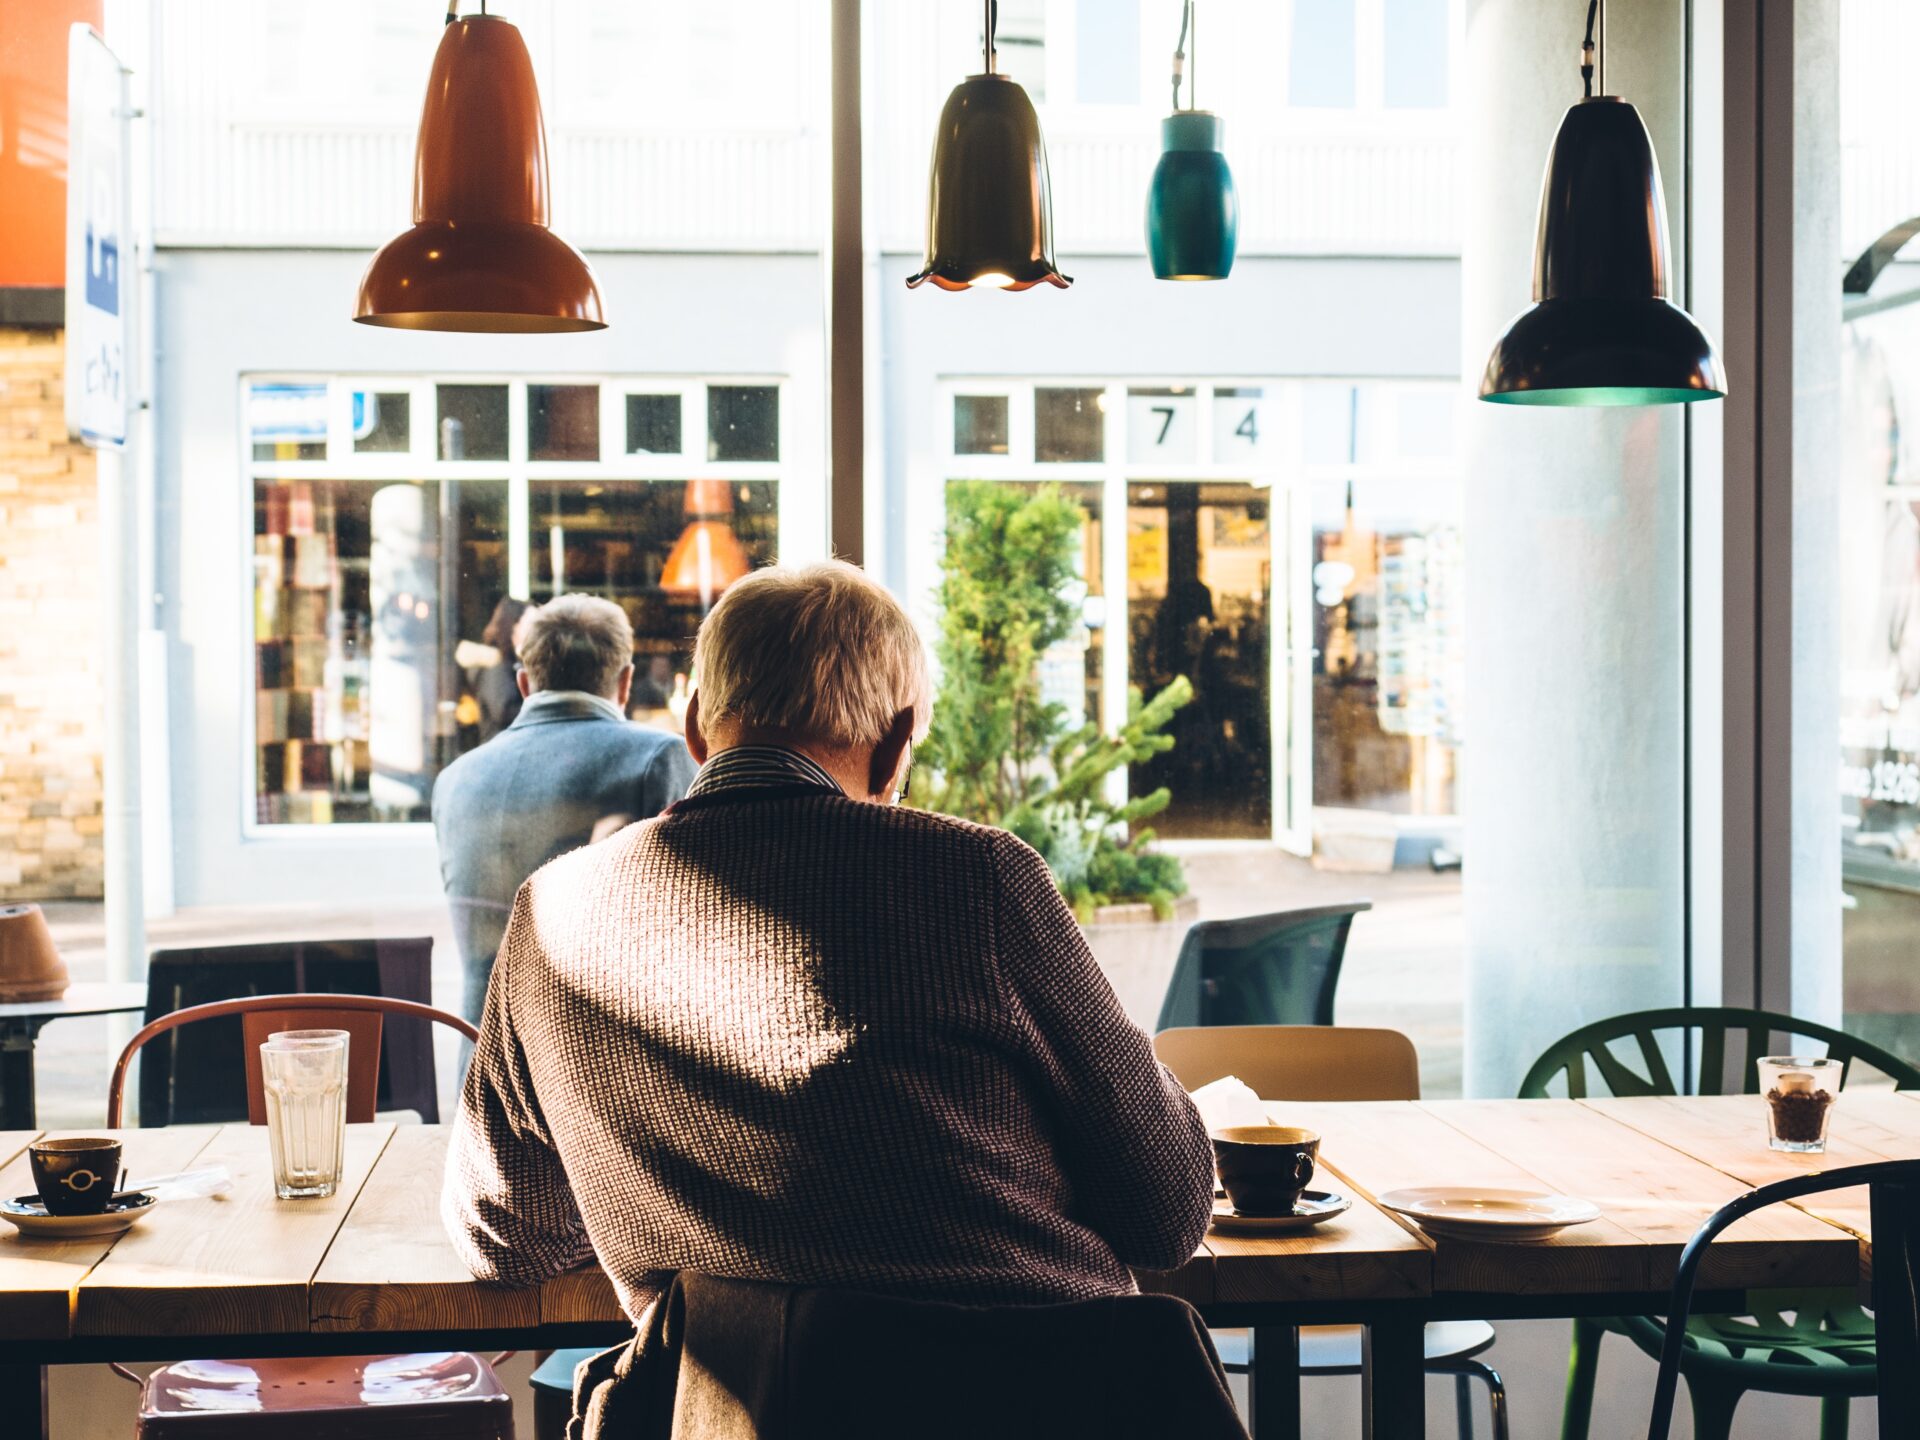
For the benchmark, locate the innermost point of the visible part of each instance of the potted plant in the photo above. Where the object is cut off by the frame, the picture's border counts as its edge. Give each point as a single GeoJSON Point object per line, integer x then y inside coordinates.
{"type": "Point", "coordinates": [1003, 754]}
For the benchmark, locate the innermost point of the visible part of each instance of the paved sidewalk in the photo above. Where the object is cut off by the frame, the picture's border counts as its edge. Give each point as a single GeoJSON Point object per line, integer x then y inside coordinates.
{"type": "Point", "coordinates": [1403, 968]}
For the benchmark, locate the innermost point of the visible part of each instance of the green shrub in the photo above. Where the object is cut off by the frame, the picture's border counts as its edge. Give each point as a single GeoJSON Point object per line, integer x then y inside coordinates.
{"type": "Point", "coordinates": [1000, 753]}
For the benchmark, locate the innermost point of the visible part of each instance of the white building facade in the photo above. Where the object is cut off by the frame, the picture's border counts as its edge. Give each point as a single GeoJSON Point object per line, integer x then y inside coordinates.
{"type": "Point", "coordinates": [341, 510]}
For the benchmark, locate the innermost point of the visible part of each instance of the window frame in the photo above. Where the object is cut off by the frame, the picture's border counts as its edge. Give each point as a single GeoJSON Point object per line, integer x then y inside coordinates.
{"type": "Point", "coordinates": [801, 489]}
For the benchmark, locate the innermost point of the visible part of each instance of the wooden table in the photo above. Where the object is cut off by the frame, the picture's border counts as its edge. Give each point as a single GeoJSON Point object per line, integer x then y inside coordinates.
{"type": "Point", "coordinates": [370, 1270]}
{"type": "Point", "coordinates": [21, 1022]}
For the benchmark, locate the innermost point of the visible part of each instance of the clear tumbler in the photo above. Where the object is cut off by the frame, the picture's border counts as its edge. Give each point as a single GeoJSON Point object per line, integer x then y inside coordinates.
{"type": "Point", "coordinates": [305, 1077]}
{"type": "Point", "coordinates": [1800, 1092]}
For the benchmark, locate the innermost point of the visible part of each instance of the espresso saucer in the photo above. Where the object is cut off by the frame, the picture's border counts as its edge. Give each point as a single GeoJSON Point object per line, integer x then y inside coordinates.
{"type": "Point", "coordinates": [29, 1216]}
{"type": "Point", "coordinates": [1316, 1207]}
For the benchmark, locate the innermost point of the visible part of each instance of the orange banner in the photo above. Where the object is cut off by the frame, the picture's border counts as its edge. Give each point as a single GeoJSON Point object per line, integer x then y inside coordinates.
{"type": "Point", "coordinates": [33, 136]}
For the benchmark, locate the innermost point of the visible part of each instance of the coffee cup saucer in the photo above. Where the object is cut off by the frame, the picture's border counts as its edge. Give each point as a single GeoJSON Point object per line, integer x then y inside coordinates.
{"type": "Point", "coordinates": [1315, 1207]}
{"type": "Point", "coordinates": [28, 1214]}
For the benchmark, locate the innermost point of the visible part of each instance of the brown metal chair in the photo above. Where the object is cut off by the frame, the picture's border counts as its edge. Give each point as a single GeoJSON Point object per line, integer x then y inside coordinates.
{"type": "Point", "coordinates": [361, 1016]}
{"type": "Point", "coordinates": [356, 1397]}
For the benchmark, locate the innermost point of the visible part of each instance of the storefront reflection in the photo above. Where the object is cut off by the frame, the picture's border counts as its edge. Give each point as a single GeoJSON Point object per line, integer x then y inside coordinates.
{"type": "Point", "coordinates": [1199, 593]}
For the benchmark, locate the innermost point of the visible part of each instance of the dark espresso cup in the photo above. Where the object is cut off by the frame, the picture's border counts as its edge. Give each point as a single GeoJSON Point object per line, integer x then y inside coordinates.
{"type": "Point", "coordinates": [75, 1177]}
{"type": "Point", "coordinates": [1265, 1167]}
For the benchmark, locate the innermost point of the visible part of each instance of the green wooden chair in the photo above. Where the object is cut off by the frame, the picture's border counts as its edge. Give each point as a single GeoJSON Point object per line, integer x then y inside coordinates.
{"type": "Point", "coordinates": [1817, 1344]}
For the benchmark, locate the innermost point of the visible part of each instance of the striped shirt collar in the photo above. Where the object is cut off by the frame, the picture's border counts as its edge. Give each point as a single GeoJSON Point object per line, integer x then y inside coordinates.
{"type": "Point", "coordinates": [760, 767]}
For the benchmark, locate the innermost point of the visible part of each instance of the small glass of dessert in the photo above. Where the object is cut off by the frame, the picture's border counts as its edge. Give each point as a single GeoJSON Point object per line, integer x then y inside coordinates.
{"type": "Point", "coordinates": [1800, 1092]}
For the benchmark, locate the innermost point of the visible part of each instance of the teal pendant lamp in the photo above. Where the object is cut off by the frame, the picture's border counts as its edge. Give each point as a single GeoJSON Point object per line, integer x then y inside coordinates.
{"type": "Point", "coordinates": [989, 204]}
{"type": "Point", "coordinates": [1193, 212]}
{"type": "Point", "coordinates": [1602, 330]}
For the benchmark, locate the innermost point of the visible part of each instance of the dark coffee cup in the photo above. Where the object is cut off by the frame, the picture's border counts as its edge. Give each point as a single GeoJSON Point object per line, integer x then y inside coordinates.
{"type": "Point", "coordinates": [1265, 1167]}
{"type": "Point", "coordinates": [75, 1177]}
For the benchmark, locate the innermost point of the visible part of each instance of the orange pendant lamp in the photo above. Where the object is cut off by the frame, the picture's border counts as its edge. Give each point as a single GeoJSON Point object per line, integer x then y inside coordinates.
{"type": "Point", "coordinates": [480, 255]}
{"type": "Point", "coordinates": [708, 556]}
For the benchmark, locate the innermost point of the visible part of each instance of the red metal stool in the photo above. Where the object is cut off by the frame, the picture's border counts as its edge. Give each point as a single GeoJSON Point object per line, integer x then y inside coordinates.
{"type": "Point", "coordinates": [367, 1397]}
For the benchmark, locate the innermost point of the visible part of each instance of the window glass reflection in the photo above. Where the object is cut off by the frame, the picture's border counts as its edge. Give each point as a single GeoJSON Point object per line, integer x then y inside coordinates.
{"type": "Point", "coordinates": [743, 422]}
{"type": "Point", "coordinates": [663, 550]}
{"type": "Point", "coordinates": [382, 422]}
{"type": "Point", "coordinates": [653, 425]}
{"type": "Point", "coordinates": [359, 610]}
{"type": "Point", "coordinates": [1389, 646]}
{"type": "Point", "coordinates": [979, 424]}
{"type": "Point", "coordinates": [1199, 595]}
{"type": "Point", "coordinates": [1069, 425]}
{"type": "Point", "coordinates": [473, 422]}
{"type": "Point", "coordinates": [563, 422]}
{"type": "Point", "coordinates": [287, 420]}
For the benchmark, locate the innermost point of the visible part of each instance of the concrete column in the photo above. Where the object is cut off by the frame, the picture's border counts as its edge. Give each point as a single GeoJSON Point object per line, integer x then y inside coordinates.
{"type": "Point", "coordinates": [1574, 773]}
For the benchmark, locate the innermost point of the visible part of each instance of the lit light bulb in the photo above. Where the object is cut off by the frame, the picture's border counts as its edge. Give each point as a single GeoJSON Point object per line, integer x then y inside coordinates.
{"type": "Point", "coordinates": [992, 280]}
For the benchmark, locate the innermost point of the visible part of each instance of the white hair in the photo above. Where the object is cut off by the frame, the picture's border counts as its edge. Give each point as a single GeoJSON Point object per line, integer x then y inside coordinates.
{"type": "Point", "coordinates": [820, 651]}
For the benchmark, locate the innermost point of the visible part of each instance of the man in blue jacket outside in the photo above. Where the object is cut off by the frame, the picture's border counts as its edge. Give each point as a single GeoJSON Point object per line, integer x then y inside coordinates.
{"type": "Point", "coordinates": [569, 770]}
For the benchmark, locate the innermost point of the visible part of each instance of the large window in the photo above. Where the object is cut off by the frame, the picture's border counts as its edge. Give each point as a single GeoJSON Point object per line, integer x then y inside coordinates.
{"type": "Point", "coordinates": [401, 526]}
{"type": "Point", "coordinates": [1878, 573]}
{"type": "Point", "coordinates": [1290, 548]}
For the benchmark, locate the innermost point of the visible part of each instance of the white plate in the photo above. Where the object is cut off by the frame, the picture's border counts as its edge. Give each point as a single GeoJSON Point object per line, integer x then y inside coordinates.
{"type": "Point", "coordinates": [1315, 1208]}
{"type": "Point", "coordinates": [1454, 1212]}
{"type": "Point", "coordinates": [30, 1217]}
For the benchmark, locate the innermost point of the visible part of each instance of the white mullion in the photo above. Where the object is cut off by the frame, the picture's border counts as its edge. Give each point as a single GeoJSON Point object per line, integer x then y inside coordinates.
{"type": "Point", "coordinates": [340, 420]}
{"type": "Point", "coordinates": [1020, 426]}
{"type": "Point", "coordinates": [519, 498]}
{"type": "Point", "coordinates": [694, 409]}
{"type": "Point", "coordinates": [1116, 661]}
{"type": "Point", "coordinates": [613, 422]}
{"type": "Point", "coordinates": [423, 422]}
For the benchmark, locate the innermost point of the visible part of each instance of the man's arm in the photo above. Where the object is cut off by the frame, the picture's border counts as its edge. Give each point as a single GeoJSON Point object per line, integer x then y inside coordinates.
{"type": "Point", "coordinates": [506, 1201]}
{"type": "Point", "coordinates": [1132, 1143]}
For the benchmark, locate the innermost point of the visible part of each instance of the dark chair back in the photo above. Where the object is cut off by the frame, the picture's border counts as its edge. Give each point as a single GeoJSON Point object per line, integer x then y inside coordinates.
{"type": "Point", "coordinates": [197, 1075]}
{"type": "Point", "coordinates": [1894, 1186]}
{"type": "Point", "coordinates": [1592, 1054]}
{"type": "Point", "coordinates": [1278, 969]}
{"type": "Point", "coordinates": [785, 1360]}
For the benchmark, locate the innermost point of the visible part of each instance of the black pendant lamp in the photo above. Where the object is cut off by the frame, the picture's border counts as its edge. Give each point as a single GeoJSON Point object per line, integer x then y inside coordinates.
{"type": "Point", "coordinates": [1601, 330]}
{"type": "Point", "coordinates": [989, 207]}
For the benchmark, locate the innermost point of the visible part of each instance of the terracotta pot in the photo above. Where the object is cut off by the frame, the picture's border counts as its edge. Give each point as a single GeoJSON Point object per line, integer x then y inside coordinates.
{"type": "Point", "coordinates": [30, 966]}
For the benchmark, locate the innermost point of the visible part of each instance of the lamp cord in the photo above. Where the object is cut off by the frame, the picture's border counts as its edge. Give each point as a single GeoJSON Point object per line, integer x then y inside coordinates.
{"type": "Point", "coordinates": [1586, 50]}
{"type": "Point", "coordinates": [1180, 54]}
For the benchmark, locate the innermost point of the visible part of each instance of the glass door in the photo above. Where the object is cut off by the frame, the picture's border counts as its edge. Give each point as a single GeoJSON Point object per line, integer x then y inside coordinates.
{"type": "Point", "coordinates": [1201, 604]}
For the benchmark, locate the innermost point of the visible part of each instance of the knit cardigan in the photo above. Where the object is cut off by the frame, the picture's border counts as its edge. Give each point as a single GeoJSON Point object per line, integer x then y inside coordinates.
{"type": "Point", "coordinates": [779, 1035]}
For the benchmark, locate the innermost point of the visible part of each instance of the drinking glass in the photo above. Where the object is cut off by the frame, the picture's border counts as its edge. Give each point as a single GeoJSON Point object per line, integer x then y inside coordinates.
{"type": "Point", "coordinates": [1799, 1092]}
{"type": "Point", "coordinates": [305, 1076]}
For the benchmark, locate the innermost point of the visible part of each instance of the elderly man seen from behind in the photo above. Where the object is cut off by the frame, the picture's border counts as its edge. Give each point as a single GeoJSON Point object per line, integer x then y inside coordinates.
{"type": "Point", "coordinates": [568, 770]}
{"type": "Point", "coordinates": [791, 1031]}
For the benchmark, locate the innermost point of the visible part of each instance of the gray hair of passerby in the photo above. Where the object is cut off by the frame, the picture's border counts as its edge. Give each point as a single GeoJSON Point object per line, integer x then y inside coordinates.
{"type": "Point", "coordinates": [819, 651]}
{"type": "Point", "coordinates": [574, 642]}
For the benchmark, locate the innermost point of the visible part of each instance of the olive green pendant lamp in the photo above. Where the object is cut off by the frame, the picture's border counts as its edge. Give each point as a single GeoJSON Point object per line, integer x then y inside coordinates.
{"type": "Point", "coordinates": [1193, 212]}
{"type": "Point", "coordinates": [989, 207]}
{"type": "Point", "coordinates": [1601, 330]}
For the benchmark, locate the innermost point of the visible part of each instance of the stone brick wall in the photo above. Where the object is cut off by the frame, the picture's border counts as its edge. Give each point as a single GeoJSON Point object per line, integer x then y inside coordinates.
{"type": "Point", "coordinates": [51, 723]}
